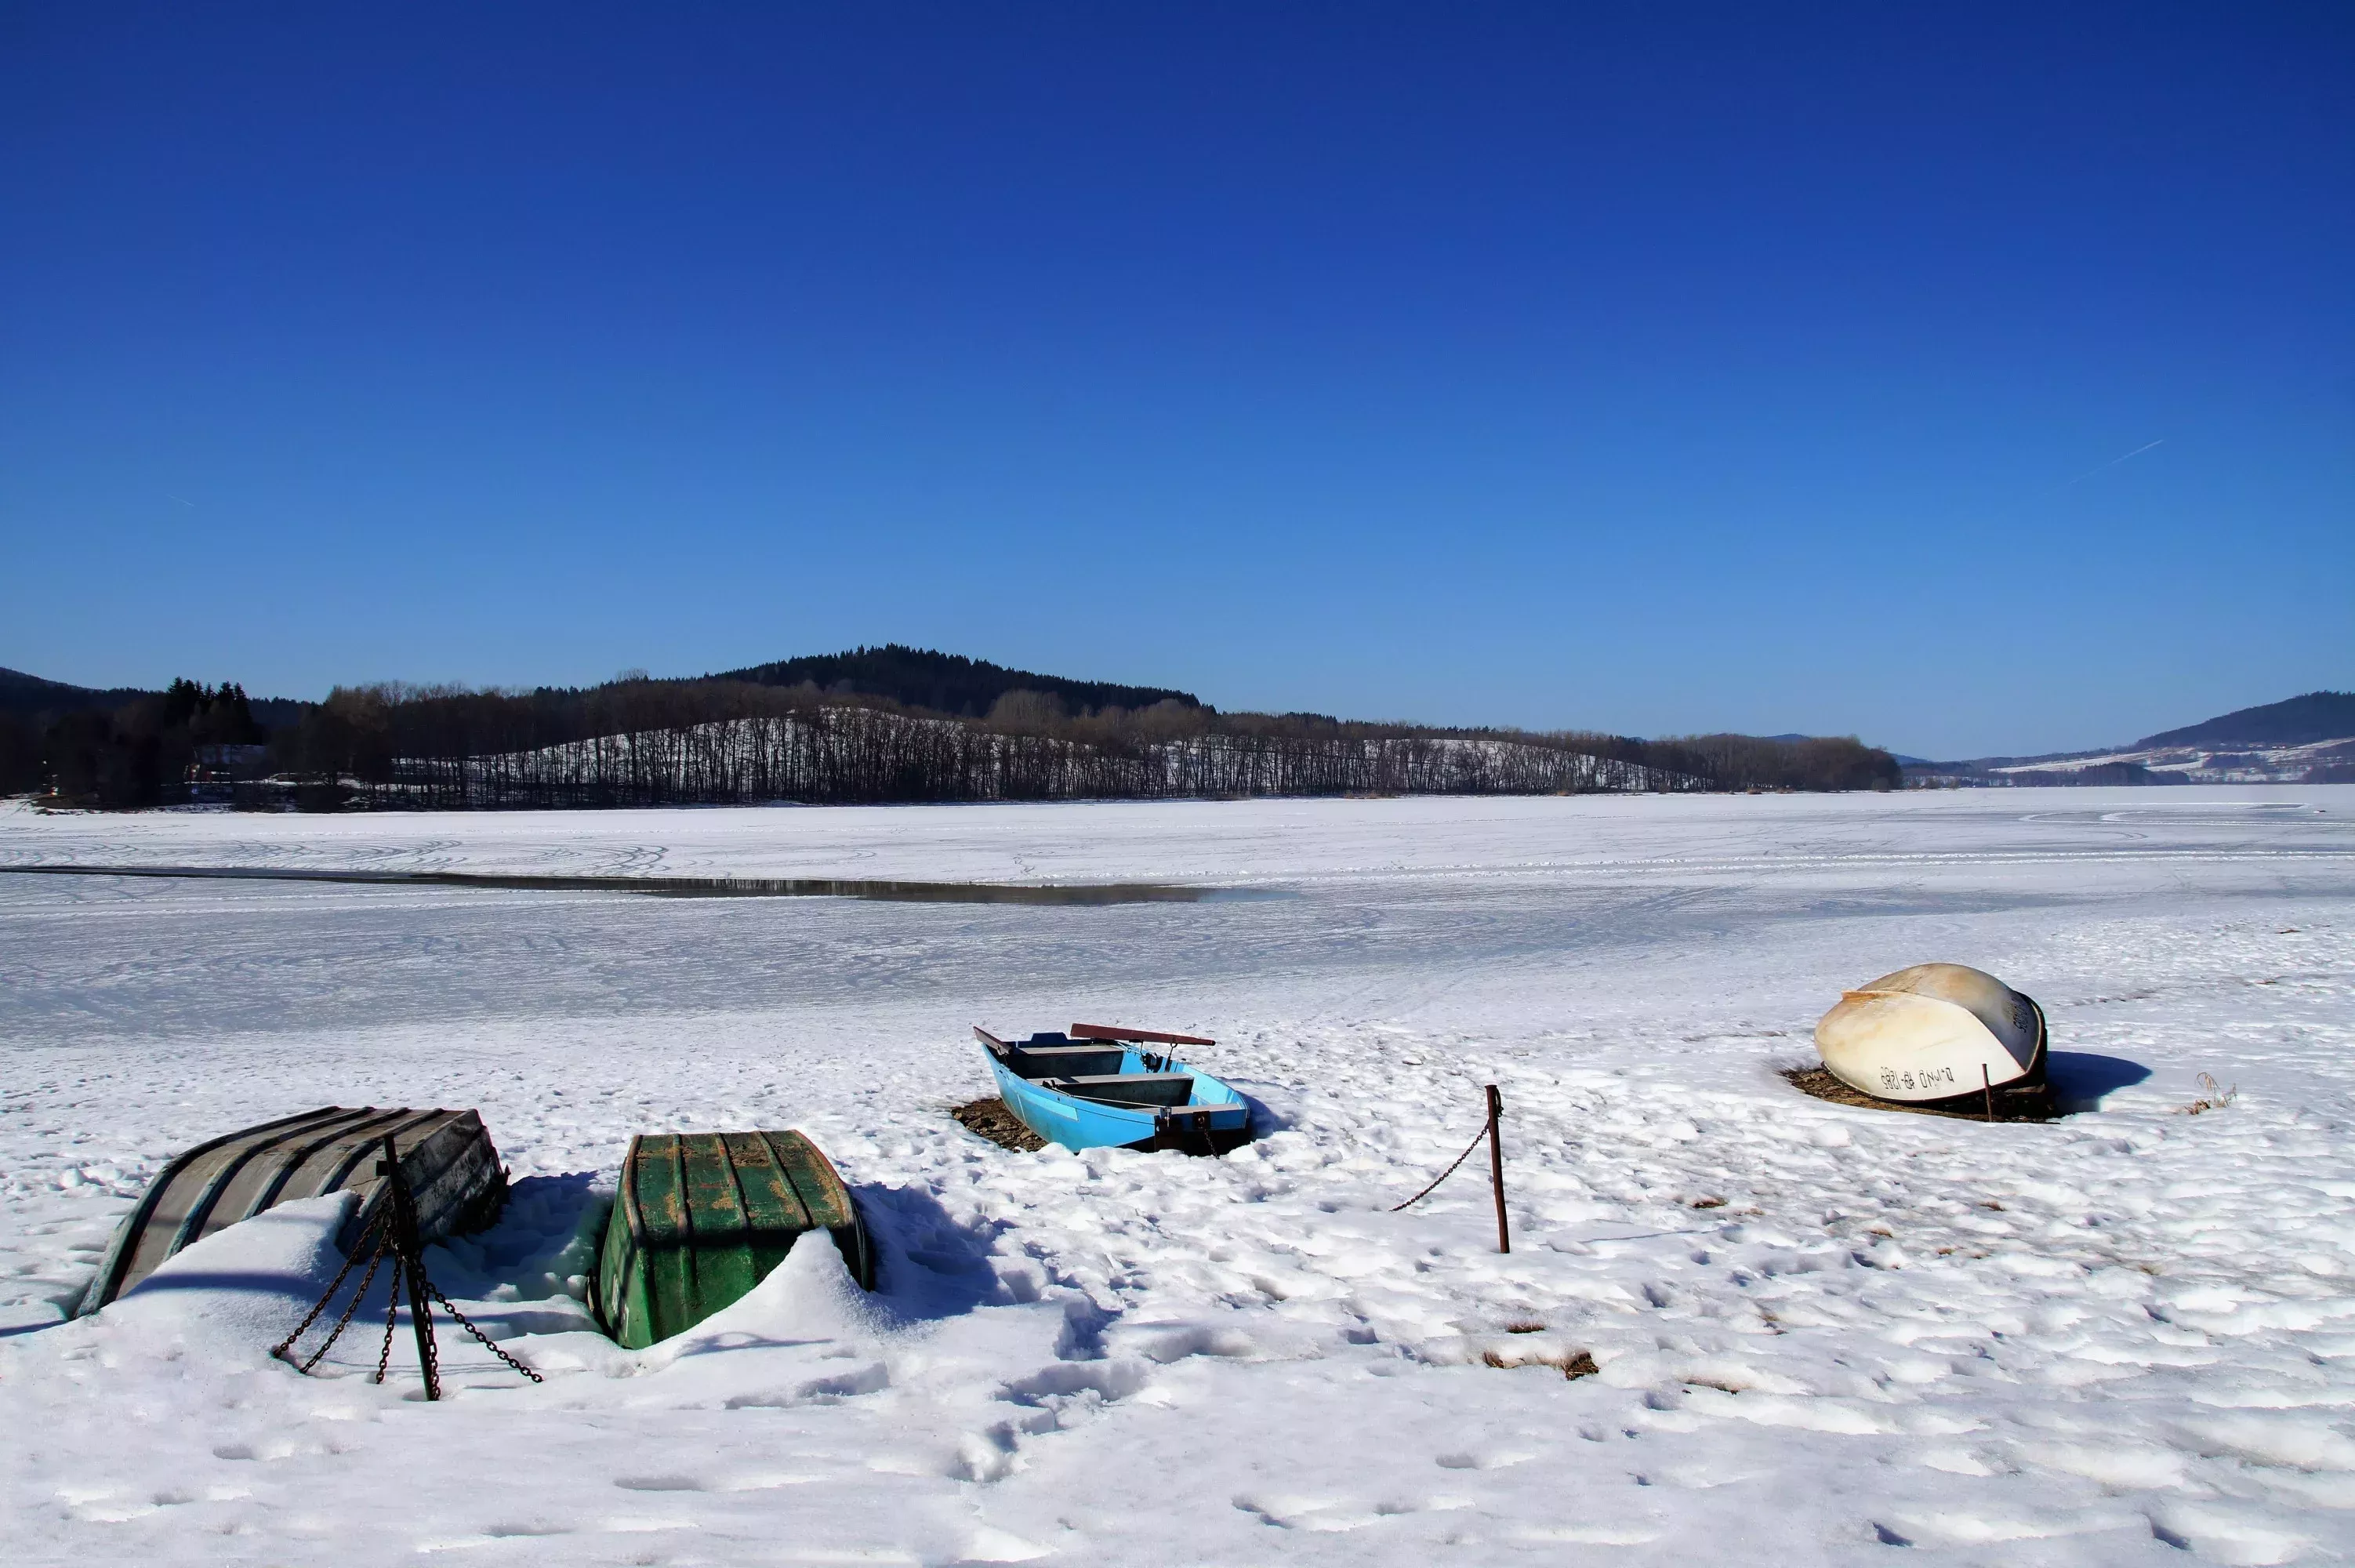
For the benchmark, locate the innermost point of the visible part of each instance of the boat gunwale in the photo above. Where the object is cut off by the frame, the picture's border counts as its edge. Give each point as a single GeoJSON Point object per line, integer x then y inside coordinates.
{"type": "Point", "coordinates": [1136, 1036]}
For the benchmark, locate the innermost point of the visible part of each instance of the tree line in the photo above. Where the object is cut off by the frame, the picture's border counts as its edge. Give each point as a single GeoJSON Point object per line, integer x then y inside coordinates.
{"type": "Point", "coordinates": [646, 743]}
{"type": "Point", "coordinates": [642, 741]}
{"type": "Point", "coordinates": [136, 752]}
{"type": "Point", "coordinates": [841, 754]}
{"type": "Point", "coordinates": [1756, 761]}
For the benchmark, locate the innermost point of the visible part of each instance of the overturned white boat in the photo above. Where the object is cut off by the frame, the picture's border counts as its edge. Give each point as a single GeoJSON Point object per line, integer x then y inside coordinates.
{"type": "Point", "coordinates": [1934, 1031]}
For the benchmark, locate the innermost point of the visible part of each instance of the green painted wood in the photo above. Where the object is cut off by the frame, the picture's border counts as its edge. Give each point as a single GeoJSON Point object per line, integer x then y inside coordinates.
{"type": "Point", "coordinates": [620, 1300]}
{"type": "Point", "coordinates": [720, 1253]}
{"type": "Point", "coordinates": [701, 1218]}
{"type": "Point", "coordinates": [829, 1201]}
{"type": "Point", "coordinates": [665, 1243]}
{"type": "Point", "coordinates": [775, 1215]}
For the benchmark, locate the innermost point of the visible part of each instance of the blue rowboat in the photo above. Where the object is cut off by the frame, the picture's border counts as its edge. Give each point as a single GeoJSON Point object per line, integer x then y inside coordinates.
{"type": "Point", "coordinates": [1098, 1086]}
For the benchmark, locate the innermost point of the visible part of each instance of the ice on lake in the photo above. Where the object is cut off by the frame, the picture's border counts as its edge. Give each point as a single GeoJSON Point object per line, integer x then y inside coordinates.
{"type": "Point", "coordinates": [1820, 1332]}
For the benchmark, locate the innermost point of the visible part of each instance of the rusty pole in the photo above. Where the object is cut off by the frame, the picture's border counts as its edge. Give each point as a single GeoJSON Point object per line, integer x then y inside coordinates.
{"type": "Point", "coordinates": [410, 1248]}
{"type": "Point", "coordinates": [1986, 1087]}
{"type": "Point", "coordinates": [1496, 1168]}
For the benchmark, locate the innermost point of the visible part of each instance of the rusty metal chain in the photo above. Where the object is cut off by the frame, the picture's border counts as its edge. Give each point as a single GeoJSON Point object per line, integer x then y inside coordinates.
{"type": "Point", "coordinates": [281, 1348]}
{"type": "Point", "coordinates": [1477, 1140]}
{"type": "Point", "coordinates": [351, 1306]}
{"type": "Point", "coordinates": [489, 1344]}
{"type": "Point", "coordinates": [393, 1226]}
{"type": "Point", "coordinates": [392, 1316]}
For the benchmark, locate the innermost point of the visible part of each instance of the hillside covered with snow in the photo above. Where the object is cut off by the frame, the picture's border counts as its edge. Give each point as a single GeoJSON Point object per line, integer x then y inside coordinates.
{"type": "Point", "coordinates": [2305, 740]}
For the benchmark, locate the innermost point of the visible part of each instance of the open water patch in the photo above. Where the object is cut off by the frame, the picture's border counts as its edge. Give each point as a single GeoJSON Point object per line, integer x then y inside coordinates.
{"type": "Point", "coordinates": [1084, 893]}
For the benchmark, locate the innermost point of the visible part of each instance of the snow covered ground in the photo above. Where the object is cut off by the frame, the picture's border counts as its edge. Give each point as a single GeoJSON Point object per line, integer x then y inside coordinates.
{"type": "Point", "coordinates": [1822, 1333]}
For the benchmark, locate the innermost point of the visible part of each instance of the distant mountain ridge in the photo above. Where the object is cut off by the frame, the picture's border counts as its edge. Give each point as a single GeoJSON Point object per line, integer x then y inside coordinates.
{"type": "Point", "coordinates": [946, 683]}
{"type": "Point", "coordinates": [2298, 722]}
{"type": "Point", "coordinates": [2301, 740]}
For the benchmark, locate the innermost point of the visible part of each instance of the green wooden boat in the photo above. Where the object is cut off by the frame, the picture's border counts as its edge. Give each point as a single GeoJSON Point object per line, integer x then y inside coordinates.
{"type": "Point", "coordinates": [701, 1218]}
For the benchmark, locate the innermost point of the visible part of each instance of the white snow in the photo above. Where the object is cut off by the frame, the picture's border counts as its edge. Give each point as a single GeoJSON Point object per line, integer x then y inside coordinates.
{"type": "Point", "coordinates": [1821, 1332]}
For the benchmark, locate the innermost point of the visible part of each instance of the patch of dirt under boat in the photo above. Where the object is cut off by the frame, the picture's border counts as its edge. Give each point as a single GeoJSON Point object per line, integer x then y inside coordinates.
{"type": "Point", "coordinates": [990, 1119]}
{"type": "Point", "coordinates": [2024, 1103]}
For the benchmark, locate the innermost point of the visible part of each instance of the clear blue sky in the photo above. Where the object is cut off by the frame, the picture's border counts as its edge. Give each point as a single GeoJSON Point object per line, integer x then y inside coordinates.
{"type": "Point", "coordinates": [1655, 369]}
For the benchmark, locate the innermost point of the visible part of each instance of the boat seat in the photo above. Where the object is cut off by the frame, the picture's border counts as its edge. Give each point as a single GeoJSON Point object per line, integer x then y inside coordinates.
{"type": "Point", "coordinates": [1129, 1088]}
{"type": "Point", "coordinates": [1064, 1061]}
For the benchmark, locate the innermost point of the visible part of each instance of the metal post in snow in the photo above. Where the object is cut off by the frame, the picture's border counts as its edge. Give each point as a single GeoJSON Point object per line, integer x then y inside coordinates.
{"type": "Point", "coordinates": [1496, 1168]}
{"type": "Point", "coordinates": [410, 1249]}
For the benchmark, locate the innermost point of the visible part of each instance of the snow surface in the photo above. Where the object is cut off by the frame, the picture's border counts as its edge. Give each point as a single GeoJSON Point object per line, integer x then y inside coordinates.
{"type": "Point", "coordinates": [1823, 1333]}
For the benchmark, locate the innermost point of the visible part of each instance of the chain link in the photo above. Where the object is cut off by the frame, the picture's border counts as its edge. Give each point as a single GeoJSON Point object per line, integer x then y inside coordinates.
{"type": "Point", "coordinates": [489, 1344]}
{"type": "Point", "coordinates": [395, 1240]}
{"type": "Point", "coordinates": [392, 1316]}
{"type": "Point", "coordinates": [351, 1306]}
{"type": "Point", "coordinates": [283, 1346]}
{"type": "Point", "coordinates": [1477, 1140]}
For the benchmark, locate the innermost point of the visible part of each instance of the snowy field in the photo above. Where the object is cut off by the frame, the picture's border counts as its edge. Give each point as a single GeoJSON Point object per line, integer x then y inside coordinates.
{"type": "Point", "coordinates": [1823, 1333]}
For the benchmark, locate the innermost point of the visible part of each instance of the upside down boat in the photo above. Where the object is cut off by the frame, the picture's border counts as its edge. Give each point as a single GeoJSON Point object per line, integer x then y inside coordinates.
{"type": "Point", "coordinates": [1099, 1086]}
{"type": "Point", "coordinates": [446, 1157]}
{"type": "Point", "coordinates": [701, 1218]}
{"type": "Point", "coordinates": [1931, 1033]}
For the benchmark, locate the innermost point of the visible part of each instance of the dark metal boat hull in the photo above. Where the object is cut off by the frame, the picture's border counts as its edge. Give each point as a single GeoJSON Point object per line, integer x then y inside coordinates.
{"type": "Point", "coordinates": [446, 1156]}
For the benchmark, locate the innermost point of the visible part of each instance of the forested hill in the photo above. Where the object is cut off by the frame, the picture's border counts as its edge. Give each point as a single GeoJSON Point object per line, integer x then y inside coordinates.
{"type": "Point", "coordinates": [882, 724]}
{"type": "Point", "coordinates": [945, 683]}
{"type": "Point", "coordinates": [30, 697]}
{"type": "Point", "coordinates": [2299, 721]}
{"type": "Point", "coordinates": [29, 694]}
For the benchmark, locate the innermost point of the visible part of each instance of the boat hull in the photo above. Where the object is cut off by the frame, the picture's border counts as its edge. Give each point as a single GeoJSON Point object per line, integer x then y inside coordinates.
{"type": "Point", "coordinates": [701, 1218]}
{"type": "Point", "coordinates": [1933, 1032]}
{"type": "Point", "coordinates": [452, 1171]}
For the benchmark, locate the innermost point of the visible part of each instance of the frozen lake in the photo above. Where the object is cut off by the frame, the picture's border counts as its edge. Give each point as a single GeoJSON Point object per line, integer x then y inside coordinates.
{"type": "Point", "coordinates": [2126, 1336]}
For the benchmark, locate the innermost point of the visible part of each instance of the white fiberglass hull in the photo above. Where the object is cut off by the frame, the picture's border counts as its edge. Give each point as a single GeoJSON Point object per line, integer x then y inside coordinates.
{"type": "Point", "coordinates": [1931, 1033]}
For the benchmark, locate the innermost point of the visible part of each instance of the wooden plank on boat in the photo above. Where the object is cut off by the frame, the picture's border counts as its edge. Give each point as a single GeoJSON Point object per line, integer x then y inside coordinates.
{"type": "Point", "coordinates": [451, 1169]}
{"type": "Point", "coordinates": [701, 1218]}
{"type": "Point", "coordinates": [1146, 1036]}
{"type": "Point", "coordinates": [1071, 1060]}
{"type": "Point", "coordinates": [1128, 1088]}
